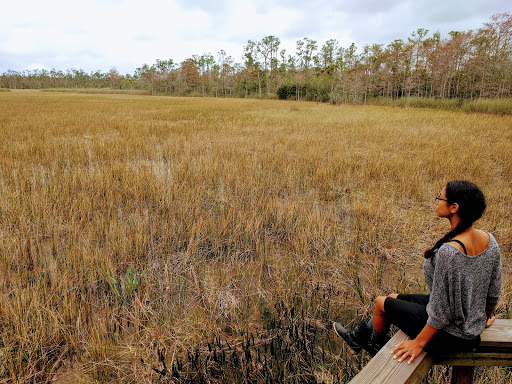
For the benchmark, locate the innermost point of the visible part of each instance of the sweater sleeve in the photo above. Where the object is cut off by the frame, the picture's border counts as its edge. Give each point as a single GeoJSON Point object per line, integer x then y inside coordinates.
{"type": "Point", "coordinates": [438, 308]}
{"type": "Point", "coordinates": [494, 293]}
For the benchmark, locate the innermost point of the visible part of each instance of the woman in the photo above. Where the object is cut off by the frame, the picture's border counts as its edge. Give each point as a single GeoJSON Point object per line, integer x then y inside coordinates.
{"type": "Point", "coordinates": [463, 274]}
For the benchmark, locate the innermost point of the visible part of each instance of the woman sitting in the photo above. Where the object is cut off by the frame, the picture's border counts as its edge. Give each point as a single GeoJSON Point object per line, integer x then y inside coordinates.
{"type": "Point", "coordinates": [463, 274]}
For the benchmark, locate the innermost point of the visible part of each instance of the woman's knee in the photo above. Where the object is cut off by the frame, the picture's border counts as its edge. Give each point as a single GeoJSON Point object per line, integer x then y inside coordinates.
{"type": "Point", "coordinates": [379, 303]}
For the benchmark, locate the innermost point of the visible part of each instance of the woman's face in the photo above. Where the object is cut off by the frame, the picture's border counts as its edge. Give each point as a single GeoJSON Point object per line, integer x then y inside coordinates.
{"type": "Point", "coordinates": [443, 208]}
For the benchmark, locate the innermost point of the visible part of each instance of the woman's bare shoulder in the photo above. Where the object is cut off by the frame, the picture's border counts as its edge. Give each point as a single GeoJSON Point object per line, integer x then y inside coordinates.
{"type": "Point", "coordinates": [475, 241]}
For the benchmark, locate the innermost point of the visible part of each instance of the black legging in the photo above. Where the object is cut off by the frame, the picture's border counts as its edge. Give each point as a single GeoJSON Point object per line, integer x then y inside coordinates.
{"type": "Point", "coordinates": [409, 313]}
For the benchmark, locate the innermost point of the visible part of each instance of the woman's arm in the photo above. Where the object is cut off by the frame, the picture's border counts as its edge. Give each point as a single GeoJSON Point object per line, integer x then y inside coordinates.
{"type": "Point", "coordinates": [494, 292]}
{"type": "Point", "coordinates": [414, 347]}
{"type": "Point", "coordinates": [490, 317]}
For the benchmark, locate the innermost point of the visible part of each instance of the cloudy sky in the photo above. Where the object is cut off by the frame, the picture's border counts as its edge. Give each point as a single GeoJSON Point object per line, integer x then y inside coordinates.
{"type": "Point", "coordinates": [125, 34]}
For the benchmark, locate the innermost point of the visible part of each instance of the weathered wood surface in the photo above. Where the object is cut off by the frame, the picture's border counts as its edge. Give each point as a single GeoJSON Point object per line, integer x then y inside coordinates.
{"type": "Point", "coordinates": [485, 359]}
{"type": "Point", "coordinates": [494, 350]}
{"type": "Point", "coordinates": [462, 375]}
{"type": "Point", "coordinates": [384, 369]}
{"type": "Point", "coordinates": [498, 335]}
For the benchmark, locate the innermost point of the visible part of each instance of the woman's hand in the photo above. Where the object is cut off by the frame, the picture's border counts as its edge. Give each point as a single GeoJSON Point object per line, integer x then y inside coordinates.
{"type": "Point", "coordinates": [412, 348]}
{"type": "Point", "coordinates": [490, 321]}
{"type": "Point", "coordinates": [407, 348]}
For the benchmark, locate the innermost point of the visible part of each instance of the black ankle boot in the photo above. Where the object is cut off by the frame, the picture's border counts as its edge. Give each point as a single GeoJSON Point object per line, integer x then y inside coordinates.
{"type": "Point", "coordinates": [376, 342]}
{"type": "Point", "coordinates": [356, 339]}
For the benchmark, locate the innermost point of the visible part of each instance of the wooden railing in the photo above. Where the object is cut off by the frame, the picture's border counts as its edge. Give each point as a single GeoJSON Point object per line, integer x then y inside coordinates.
{"type": "Point", "coordinates": [494, 350]}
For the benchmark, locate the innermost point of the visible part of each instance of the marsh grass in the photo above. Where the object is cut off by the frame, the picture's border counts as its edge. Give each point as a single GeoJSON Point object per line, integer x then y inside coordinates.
{"type": "Point", "coordinates": [496, 106]}
{"type": "Point", "coordinates": [492, 106]}
{"type": "Point", "coordinates": [100, 91]}
{"type": "Point", "coordinates": [252, 223]}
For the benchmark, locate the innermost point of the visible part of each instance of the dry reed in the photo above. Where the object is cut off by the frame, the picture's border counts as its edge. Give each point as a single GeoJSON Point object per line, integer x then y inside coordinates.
{"type": "Point", "coordinates": [135, 230]}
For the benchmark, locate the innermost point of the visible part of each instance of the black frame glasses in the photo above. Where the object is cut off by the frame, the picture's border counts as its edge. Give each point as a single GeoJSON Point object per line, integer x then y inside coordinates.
{"type": "Point", "coordinates": [439, 198]}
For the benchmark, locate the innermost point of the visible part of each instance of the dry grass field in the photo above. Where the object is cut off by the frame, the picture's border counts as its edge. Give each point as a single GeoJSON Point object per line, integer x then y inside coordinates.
{"type": "Point", "coordinates": [155, 239]}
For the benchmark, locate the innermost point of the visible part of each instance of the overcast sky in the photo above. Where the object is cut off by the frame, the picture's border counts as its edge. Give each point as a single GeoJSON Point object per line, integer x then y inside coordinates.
{"type": "Point", "coordinates": [125, 34]}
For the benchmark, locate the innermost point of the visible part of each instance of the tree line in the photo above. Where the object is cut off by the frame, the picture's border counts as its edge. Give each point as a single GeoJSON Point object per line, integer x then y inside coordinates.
{"type": "Point", "coordinates": [466, 65]}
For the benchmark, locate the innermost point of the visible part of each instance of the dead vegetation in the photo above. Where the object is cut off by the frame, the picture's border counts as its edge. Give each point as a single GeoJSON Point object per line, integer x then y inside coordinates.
{"type": "Point", "coordinates": [204, 240]}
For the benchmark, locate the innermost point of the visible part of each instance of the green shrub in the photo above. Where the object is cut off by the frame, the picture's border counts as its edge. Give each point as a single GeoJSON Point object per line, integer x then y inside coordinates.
{"type": "Point", "coordinates": [495, 106]}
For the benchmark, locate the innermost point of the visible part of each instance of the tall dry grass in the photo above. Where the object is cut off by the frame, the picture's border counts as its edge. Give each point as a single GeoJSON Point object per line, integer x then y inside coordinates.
{"type": "Point", "coordinates": [101, 91]}
{"type": "Point", "coordinates": [168, 239]}
{"type": "Point", "coordinates": [493, 106]}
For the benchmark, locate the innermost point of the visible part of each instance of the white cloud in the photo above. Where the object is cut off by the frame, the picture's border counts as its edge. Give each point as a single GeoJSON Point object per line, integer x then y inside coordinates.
{"type": "Point", "coordinates": [101, 34]}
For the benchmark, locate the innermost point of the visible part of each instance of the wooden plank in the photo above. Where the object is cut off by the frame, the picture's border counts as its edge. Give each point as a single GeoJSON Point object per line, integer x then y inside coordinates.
{"type": "Point", "coordinates": [384, 369]}
{"type": "Point", "coordinates": [462, 375]}
{"type": "Point", "coordinates": [494, 350]}
{"type": "Point", "coordinates": [498, 335]}
{"type": "Point", "coordinates": [485, 359]}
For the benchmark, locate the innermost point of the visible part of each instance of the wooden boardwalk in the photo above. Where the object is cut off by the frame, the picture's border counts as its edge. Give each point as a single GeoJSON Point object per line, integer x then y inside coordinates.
{"type": "Point", "coordinates": [494, 350]}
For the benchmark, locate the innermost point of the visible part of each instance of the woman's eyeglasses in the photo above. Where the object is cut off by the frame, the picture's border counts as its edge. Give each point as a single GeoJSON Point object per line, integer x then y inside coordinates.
{"type": "Point", "coordinates": [438, 197]}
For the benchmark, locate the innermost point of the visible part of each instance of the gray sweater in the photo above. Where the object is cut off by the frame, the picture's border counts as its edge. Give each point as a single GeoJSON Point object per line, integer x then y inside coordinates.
{"type": "Point", "coordinates": [462, 288]}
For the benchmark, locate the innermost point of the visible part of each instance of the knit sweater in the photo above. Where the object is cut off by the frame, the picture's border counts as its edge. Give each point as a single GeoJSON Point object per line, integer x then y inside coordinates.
{"type": "Point", "coordinates": [461, 288]}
